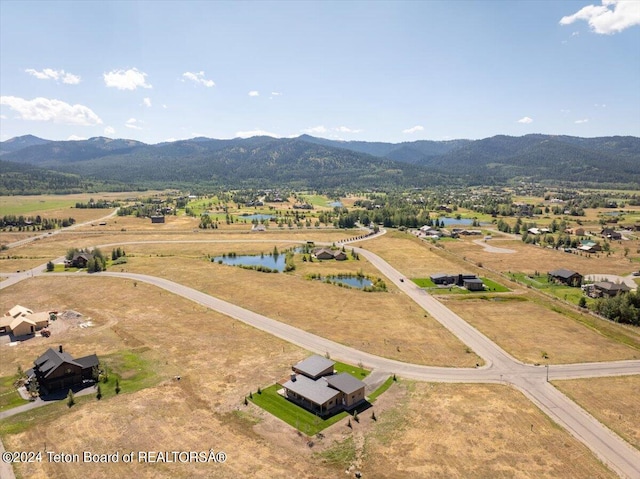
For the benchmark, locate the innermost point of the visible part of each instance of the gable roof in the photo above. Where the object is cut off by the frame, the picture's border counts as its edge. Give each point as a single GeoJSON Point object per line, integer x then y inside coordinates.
{"type": "Point", "coordinates": [612, 287]}
{"type": "Point", "coordinates": [563, 273]}
{"type": "Point", "coordinates": [19, 320]}
{"type": "Point", "coordinates": [345, 383]}
{"type": "Point", "coordinates": [52, 360]}
{"type": "Point", "coordinates": [318, 392]}
{"type": "Point", "coordinates": [313, 365]}
{"type": "Point", "coordinates": [18, 310]}
{"type": "Point", "coordinates": [88, 361]}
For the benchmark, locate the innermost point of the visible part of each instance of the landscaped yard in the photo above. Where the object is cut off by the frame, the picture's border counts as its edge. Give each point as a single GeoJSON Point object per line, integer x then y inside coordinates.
{"type": "Point", "coordinates": [541, 282]}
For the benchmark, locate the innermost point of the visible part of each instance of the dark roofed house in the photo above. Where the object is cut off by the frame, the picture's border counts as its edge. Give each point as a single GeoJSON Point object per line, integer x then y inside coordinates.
{"type": "Point", "coordinates": [56, 369]}
{"type": "Point", "coordinates": [607, 288]}
{"type": "Point", "coordinates": [314, 366]}
{"type": "Point", "coordinates": [157, 219]}
{"type": "Point", "coordinates": [442, 278]}
{"type": "Point", "coordinates": [473, 284]}
{"type": "Point", "coordinates": [323, 253]}
{"type": "Point", "coordinates": [352, 389]}
{"type": "Point", "coordinates": [565, 276]}
{"type": "Point", "coordinates": [610, 233]}
{"type": "Point", "coordinates": [340, 255]}
{"type": "Point", "coordinates": [80, 260]}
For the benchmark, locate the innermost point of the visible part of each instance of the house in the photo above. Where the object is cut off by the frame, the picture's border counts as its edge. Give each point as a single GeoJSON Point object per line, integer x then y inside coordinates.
{"type": "Point", "coordinates": [589, 246]}
{"type": "Point", "coordinates": [79, 260]}
{"type": "Point", "coordinates": [157, 219]}
{"type": "Point", "coordinates": [575, 231]}
{"type": "Point", "coordinates": [340, 256]}
{"type": "Point", "coordinates": [323, 253]}
{"type": "Point", "coordinates": [429, 230]}
{"type": "Point", "coordinates": [473, 284]}
{"type": "Point", "coordinates": [18, 310]}
{"type": "Point", "coordinates": [258, 228]}
{"type": "Point", "coordinates": [314, 367]}
{"type": "Point", "coordinates": [56, 369]}
{"type": "Point", "coordinates": [21, 321]}
{"type": "Point", "coordinates": [315, 387]}
{"type": "Point", "coordinates": [442, 278]}
{"type": "Point", "coordinates": [607, 288]}
{"type": "Point", "coordinates": [610, 233]}
{"type": "Point", "coordinates": [565, 276]}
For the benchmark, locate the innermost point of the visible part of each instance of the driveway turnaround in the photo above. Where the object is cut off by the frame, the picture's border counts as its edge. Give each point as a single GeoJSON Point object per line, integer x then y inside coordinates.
{"type": "Point", "coordinates": [499, 367]}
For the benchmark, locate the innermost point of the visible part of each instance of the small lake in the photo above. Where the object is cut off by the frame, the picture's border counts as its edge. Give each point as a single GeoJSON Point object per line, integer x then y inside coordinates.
{"type": "Point", "coordinates": [336, 204]}
{"type": "Point", "coordinates": [354, 282]}
{"type": "Point", "coordinates": [259, 217]}
{"type": "Point", "coordinates": [269, 261]}
{"type": "Point", "coordinates": [454, 221]}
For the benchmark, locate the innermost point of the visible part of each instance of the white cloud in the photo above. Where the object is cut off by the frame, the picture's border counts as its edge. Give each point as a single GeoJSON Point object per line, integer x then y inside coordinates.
{"type": "Point", "coordinates": [579, 122]}
{"type": "Point", "coordinates": [45, 109]}
{"type": "Point", "coordinates": [604, 20]}
{"type": "Point", "coordinates": [147, 102]}
{"type": "Point", "coordinates": [133, 124]}
{"type": "Point", "coordinates": [164, 107]}
{"type": "Point", "coordinates": [413, 129]}
{"type": "Point", "coordinates": [315, 129]}
{"type": "Point", "coordinates": [3, 117]}
{"type": "Point", "coordinates": [276, 93]}
{"type": "Point", "coordinates": [345, 129]}
{"type": "Point", "coordinates": [257, 132]}
{"type": "Point", "coordinates": [526, 120]}
{"type": "Point", "coordinates": [109, 130]}
{"type": "Point", "coordinates": [76, 138]}
{"type": "Point", "coordinates": [565, 111]}
{"type": "Point", "coordinates": [254, 93]}
{"type": "Point", "coordinates": [126, 79]}
{"type": "Point", "coordinates": [58, 75]}
{"type": "Point", "coordinates": [198, 77]}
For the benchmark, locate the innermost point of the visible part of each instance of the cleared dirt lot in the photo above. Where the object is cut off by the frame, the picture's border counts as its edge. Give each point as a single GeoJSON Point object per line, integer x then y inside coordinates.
{"type": "Point", "coordinates": [613, 401]}
{"type": "Point", "coordinates": [527, 329]}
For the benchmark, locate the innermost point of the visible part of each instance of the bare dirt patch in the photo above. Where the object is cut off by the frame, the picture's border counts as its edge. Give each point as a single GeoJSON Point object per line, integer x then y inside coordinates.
{"type": "Point", "coordinates": [610, 400]}
{"type": "Point", "coordinates": [526, 330]}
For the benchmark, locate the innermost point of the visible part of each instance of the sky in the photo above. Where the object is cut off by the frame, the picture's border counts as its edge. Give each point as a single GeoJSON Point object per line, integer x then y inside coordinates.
{"type": "Point", "coordinates": [349, 70]}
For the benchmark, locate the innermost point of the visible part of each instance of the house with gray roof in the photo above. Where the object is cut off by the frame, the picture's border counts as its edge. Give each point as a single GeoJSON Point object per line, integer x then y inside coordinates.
{"type": "Point", "coordinates": [565, 276]}
{"type": "Point", "coordinates": [314, 386]}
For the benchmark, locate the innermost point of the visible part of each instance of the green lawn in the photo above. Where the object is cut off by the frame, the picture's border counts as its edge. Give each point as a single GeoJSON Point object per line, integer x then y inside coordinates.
{"type": "Point", "coordinates": [298, 417]}
{"type": "Point", "coordinates": [353, 370]}
{"type": "Point", "coordinates": [424, 282]}
{"type": "Point", "coordinates": [541, 282]}
{"type": "Point", "coordinates": [9, 397]}
{"type": "Point", "coordinates": [491, 285]}
{"type": "Point", "coordinates": [428, 284]}
{"type": "Point", "coordinates": [33, 205]}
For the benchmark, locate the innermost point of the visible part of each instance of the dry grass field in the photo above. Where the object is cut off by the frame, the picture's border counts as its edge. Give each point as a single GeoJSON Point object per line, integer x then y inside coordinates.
{"type": "Point", "coordinates": [384, 323]}
{"type": "Point", "coordinates": [529, 258]}
{"type": "Point", "coordinates": [613, 401]}
{"type": "Point", "coordinates": [479, 431]}
{"type": "Point", "coordinates": [527, 329]}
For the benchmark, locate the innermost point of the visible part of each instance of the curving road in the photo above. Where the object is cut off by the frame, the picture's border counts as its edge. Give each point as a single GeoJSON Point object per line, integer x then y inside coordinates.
{"type": "Point", "coordinates": [500, 366]}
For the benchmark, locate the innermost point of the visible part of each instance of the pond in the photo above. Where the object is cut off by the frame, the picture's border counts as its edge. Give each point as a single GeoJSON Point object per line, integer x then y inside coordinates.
{"type": "Point", "coordinates": [257, 216]}
{"type": "Point", "coordinates": [268, 261]}
{"type": "Point", "coordinates": [455, 221]}
{"type": "Point", "coordinates": [353, 281]}
{"type": "Point", "coordinates": [336, 204]}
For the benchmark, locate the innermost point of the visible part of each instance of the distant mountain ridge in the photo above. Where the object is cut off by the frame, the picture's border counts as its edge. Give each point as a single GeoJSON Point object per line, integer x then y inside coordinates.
{"type": "Point", "coordinates": [308, 161]}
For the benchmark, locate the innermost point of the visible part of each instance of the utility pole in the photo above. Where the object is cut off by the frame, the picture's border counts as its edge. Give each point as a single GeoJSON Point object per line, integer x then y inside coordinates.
{"type": "Point", "coordinates": [547, 372]}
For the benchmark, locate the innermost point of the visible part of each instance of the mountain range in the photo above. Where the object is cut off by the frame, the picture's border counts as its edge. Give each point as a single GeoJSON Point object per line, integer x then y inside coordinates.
{"type": "Point", "coordinates": [310, 162]}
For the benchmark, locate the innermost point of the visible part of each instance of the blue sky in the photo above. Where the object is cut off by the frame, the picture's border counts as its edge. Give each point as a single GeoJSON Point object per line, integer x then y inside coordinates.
{"type": "Point", "coordinates": [374, 71]}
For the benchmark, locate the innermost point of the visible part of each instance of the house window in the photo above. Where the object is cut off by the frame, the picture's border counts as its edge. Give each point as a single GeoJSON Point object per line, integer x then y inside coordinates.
{"type": "Point", "coordinates": [353, 397]}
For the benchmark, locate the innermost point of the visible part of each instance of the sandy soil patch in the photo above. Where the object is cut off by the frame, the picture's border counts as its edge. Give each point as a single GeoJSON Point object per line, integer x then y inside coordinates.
{"type": "Point", "coordinates": [526, 330]}
{"type": "Point", "coordinates": [611, 400]}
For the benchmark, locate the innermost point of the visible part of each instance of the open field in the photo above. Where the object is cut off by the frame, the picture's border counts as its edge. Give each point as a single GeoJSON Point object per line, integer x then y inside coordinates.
{"type": "Point", "coordinates": [479, 431]}
{"type": "Point", "coordinates": [529, 258]}
{"type": "Point", "coordinates": [613, 401]}
{"type": "Point", "coordinates": [529, 330]}
{"type": "Point", "coordinates": [348, 316]}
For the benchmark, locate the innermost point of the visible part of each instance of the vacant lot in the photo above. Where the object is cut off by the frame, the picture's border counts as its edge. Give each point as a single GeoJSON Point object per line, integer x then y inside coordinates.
{"type": "Point", "coordinates": [528, 258]}
{"type": "Point", "coordinates": [528, 331]}
{"type": "Point", "coordinates": [386, 324]}
{"type": "Point", "coordinates": [479, 431]}
{"type": "Point", "coordinates": [613, 401]}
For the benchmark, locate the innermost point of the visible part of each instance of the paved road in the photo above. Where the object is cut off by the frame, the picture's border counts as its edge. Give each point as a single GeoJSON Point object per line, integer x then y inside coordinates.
{"type": "Point", "coordinates": [499, 367]}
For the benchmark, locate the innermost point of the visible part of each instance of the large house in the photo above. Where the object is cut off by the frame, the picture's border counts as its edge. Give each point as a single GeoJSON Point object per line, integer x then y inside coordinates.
{"type": "Point", "coordinates": [610, 233]}
{"type": "Point", "coordinates": [314, 386]}
{"type": "Point", "coordinates": [326, 253]}
{"type": "Point", "coordinates": [565, 276]}
{"type": "Point", "coordinates": [21, 321]}
{"type": "Point", "coordinates": [589, 246]}
{"type": "Point", "coordinates": [56, 369]}
{"type": "Point", "coordinates": [607, 288]}
{"type": "Point", "coordinates": [469, 281]}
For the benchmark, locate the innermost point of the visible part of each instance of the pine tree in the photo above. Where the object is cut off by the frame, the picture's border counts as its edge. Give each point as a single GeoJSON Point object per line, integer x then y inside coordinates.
{"type": "Point", "coordinates": [70, 399]}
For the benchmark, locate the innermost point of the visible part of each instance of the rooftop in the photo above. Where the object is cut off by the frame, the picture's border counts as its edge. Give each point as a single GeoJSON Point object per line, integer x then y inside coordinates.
{"type": "Point", "coordinates": [313, 365]}
{"type": "Point", "coordinates": [318, 392]}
